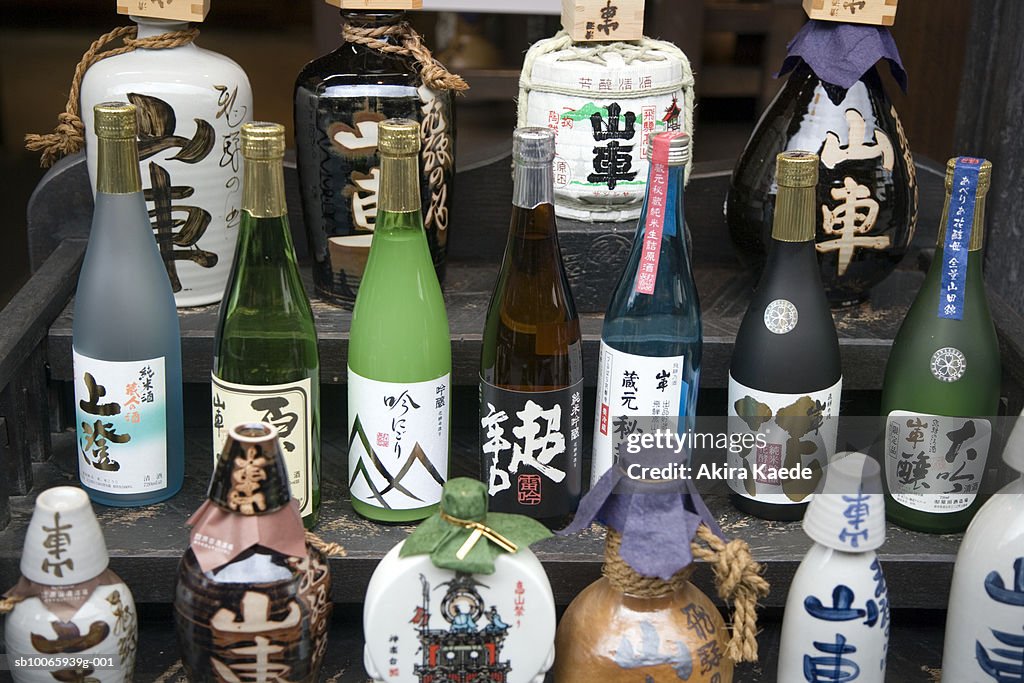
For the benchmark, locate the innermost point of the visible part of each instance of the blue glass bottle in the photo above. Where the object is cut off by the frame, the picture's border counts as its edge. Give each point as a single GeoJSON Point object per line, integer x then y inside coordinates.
{"type": "Point", "coordinates": [651, 340]}
{"type": "Point", "coordinates": [127, 343]}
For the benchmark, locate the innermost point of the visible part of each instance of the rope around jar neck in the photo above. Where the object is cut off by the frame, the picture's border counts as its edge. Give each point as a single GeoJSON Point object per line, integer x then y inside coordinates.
{"type": "Point", "coordinates": [69, 135]}
{"type": "Point", "coordinates": [408, 43]}
{"type": "Point", "coordinates": [737, 578]}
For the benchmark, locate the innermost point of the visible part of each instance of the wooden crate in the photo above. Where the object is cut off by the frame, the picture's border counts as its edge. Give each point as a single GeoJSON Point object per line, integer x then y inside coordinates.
{"type": "Point", "coordinates": [179, 10]}
{"type": "Point", "coordinates": [603, 20]}
{"type": "Point", "coordinates": [376, 4]}
{"type": "Point", "coordinates": [877, 12]}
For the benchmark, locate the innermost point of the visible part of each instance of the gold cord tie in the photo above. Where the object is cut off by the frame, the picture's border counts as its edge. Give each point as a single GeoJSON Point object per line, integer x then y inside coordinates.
{"type": "Point", "coordinates": [479, 530]}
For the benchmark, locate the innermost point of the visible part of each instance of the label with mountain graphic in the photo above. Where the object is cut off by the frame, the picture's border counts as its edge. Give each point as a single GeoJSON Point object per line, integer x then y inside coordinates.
{"type": "Point", "coordinates": [796, 431]}
{"type": "Point", "coordinates": [398, 441]}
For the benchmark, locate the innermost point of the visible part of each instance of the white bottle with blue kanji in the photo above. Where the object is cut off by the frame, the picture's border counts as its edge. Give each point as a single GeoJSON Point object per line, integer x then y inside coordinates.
{"type": "Point", "coordinates": [985, 622]}
{"type": "Point", "coordinates": [836, 623]}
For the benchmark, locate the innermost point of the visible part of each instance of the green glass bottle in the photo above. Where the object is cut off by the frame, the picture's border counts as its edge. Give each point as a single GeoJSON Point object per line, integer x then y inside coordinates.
{"type": "Point", "coordinates": [266, 366]}
{"type": "Point", "coordinates": [399, 353]}
{"type": "Point", "coordinates": [942, 380]}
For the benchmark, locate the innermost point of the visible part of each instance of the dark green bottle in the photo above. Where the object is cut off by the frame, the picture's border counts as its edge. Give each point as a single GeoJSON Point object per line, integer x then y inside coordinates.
{"type": "Point", "coordinates": [266, 367]}
{"type": "Point", "coordinates": [942, 380]}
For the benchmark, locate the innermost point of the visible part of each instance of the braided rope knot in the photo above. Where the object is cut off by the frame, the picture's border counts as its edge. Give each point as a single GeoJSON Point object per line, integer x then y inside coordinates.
{"type": "Point", "coordinates": [68, 136]}
{"type": "Point", "coordinates": [739, 581]}
{"type": "Point", "coordinates": [409, 43]}
{"type": "Point", "coordinates": [328, 548]}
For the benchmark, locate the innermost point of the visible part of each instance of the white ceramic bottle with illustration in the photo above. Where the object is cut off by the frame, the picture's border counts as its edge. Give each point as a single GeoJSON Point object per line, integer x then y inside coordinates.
{"type": "Point", "coordinates": [986, 601]}
{"type": "Point", "coordinates": [836, 622]}
{"type": "Point", "coordinates": [448, 600]}
{"type": "Point", "coordinates": [192, 104]}
{"type": "Point", "coordinates": [71, 603]}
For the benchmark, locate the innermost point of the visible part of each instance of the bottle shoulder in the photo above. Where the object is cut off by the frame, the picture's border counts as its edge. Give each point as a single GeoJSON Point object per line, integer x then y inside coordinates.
{"type": "Point", "coordinates": [180, 66]}
{"type": "Point", "coordinates": [356, 65]}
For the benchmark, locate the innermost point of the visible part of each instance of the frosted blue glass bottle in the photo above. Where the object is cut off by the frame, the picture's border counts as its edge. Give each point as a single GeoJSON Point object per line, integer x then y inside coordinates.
{"type": "Point", "coordinates": [651, 341]}
{"type": "Point", "coordinates": [126, 341]}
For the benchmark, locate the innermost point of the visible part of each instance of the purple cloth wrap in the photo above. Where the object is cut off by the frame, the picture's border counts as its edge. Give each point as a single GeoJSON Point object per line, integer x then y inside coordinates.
{"type": "Point", "coordinates": [658, 521]}
{"type": "Point", "coordinates": [840, 54]}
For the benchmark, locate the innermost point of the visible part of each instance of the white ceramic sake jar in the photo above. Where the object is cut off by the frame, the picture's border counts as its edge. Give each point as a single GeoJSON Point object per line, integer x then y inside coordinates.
{"type": "Point", "coordinates": [192, 104]}
{"type": "Point", "coordinates": [836, 622]}
{"type": "Point", "coordinates": [985, 622]}
{"type": "Point", "coordinates": [78, 608]}
{"type": "Point", "coordinates": [419, 618]}
{"type": "Point", "coordinates": [463, 598]}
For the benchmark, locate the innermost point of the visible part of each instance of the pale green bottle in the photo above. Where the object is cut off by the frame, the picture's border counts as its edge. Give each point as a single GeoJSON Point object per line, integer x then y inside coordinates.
{"type": "Point", "coordinates": [266, 366]}
{"type": "Point", "coordinates": [399, 356]}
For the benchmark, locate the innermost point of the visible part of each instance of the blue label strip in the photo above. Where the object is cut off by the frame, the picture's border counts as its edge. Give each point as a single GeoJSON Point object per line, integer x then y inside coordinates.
{"type": "Point", "coordinates": [953, 292]}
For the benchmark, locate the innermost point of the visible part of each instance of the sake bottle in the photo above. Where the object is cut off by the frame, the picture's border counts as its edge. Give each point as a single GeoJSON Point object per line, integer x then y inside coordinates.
{"type": "Point", "coordinates": [531, 365]}
{"type": "Point", "coordinates": [340, 98]}
{"type": "Point", "coordinates": [72, 605]}
{"type": "Point", "coordinates": [126, 339]}
{"type": "Point", "coordinates": [941, 384]}
{"type": "Point", "coordinates": [785, 376]}
{"type": "Point", "coordinates": [265, 365]}
{"type": "Point", "coordinates": [252, 598]}
{"type": "Point", "coordinates": [399, 354]}
{"type": "Point", "coordinates": [651, 339]}
{"type": "Point", "coordinates": [986, 600]}
{"type": "Point", "coordinates": [837, 618]}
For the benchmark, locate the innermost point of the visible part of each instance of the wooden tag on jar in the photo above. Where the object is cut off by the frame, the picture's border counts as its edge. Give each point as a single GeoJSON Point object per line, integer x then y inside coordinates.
{"type": "Point", "coordinates": [603, 20]}
{"type": "Point", "coordinates": [875, 12]}
{"type": "Point", "coordinates": [178, 10]}
{"type": "Point", "coordinates": [376, 4]}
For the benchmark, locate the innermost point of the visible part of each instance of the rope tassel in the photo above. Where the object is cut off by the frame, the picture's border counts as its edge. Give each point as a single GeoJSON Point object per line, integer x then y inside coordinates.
{"type": "Point", "coordinates": [69, 135]}
{"type": "Point", "coordinates": [432, 73]}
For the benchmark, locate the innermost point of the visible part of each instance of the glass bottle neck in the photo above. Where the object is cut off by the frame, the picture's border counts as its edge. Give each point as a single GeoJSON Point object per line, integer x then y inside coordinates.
{"type": "Point", "coordinates": [795, 218]}
{"type": "Point", "coordinates": [671, 208]}
{"type": "Point", "coordinates": [364, 19]}
{"type": "Point", "coordinates": [977, 226]}
{"type": "Point", "coordinates": [263, 188]}
{"type": "Point", "coordinates": [532, 185]}
{"type": "Point", "coordinates": [399, 184]}
{"type": "Point", "coordinates": [117, 164]}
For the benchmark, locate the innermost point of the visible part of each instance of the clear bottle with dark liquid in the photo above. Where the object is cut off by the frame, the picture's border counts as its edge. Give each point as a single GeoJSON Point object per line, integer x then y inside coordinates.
{"type": "Point", "coordinates": [531, 367]}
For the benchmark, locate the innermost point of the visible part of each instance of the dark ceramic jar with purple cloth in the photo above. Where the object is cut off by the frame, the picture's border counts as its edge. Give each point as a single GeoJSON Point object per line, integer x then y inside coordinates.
{"type": "Point", "coordinates": [834, 105]}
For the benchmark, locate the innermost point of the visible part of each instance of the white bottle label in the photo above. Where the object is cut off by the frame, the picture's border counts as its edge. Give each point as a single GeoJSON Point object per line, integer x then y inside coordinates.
{"type": "Point", "coordinates": [791, 431]}
{"type": "Point", "coordinates": [289, 407]}
{"type": "Point", "coordinates": [398, 441]}
{"type": "Point", "coordinates": [121, 423]}
{"type": "Point", "coordinates": [634, 394]}
{"type": "Point", "coordinates": [935, 463]}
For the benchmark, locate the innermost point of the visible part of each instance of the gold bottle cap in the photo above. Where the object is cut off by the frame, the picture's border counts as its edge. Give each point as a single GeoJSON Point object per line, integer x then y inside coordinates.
{"type": "Point", "coordinates": [984, 173]}
{"type": "Point", "coordinates": [796, 169]}
{"type": "Point", "coordinates": [114, 120]}
{"type": "Point", "coordinates": [398, 138]}
{"type": "Point", "coordinates": [262, 140]}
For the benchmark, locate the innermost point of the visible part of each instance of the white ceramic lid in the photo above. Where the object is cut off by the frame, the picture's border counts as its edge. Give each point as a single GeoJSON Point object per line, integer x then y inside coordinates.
{"type": "Point", "coordinates": [849, 513]}
{"type": "Point", "coordinates": [64, 544]}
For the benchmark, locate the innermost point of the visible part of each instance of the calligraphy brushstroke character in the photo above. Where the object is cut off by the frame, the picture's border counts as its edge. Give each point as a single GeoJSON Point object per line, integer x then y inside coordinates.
{"type": "Point", "coordinates": [855, 216]}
